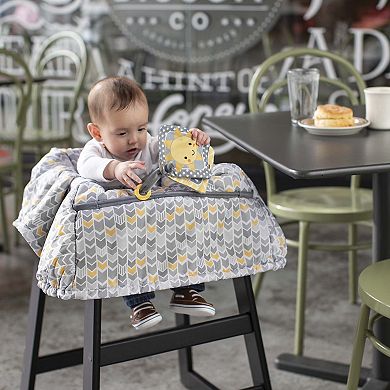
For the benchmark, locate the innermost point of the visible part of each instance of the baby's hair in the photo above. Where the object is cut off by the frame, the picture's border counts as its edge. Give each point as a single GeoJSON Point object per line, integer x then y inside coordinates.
{"type": "Point", "coordinates": [113, 93]}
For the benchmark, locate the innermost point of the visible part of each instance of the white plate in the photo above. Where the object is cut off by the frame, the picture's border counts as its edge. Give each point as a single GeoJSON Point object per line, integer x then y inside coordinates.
{"type": "Point", "coordinates": [359, 124]}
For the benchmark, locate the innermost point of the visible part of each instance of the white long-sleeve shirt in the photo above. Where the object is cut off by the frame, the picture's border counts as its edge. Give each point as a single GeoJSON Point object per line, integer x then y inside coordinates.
{"type": "Point", "coordinates": [95, 157]}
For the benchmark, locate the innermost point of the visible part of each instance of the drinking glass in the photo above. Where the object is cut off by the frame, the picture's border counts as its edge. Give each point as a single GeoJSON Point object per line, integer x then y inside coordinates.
{"type": "Point", "coordinates": [303, 92]}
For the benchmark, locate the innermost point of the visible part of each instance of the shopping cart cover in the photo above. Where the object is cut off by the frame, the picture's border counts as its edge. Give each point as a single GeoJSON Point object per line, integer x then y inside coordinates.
{"type": "Point", "coordinates": [94, 241]}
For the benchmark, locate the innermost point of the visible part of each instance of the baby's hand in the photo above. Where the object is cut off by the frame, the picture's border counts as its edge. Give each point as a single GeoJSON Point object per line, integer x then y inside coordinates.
{"type": "Point", "coordinates": [124, 172]}
{"type": "Point", "coordinates": [200, 137]}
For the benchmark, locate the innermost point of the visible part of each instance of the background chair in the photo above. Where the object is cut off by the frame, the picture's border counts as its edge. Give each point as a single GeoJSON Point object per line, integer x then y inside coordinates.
{"type": "Point", "coordinates": [374, 293]}
{"type": "Point", "coordinates": [11, 166]}
{"type": "Point", "coordinates": [59, 64]}
{"type": "Point", "coordinates": [15, 37]}
{"type": "Point", "coordinates": [62, 59]}
{"type": "Point", "coordinates": [304, 206]}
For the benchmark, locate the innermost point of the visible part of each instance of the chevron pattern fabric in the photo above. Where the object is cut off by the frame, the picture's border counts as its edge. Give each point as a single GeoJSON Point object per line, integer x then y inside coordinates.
{"type": "Point", "coordinates": [94, 242]}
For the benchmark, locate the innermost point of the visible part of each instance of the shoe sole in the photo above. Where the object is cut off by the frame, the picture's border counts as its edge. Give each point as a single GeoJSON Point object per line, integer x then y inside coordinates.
{"type": "Point", "coordinates": [149, 322]}
{"type": "Point", "coordinates": [195, 311]}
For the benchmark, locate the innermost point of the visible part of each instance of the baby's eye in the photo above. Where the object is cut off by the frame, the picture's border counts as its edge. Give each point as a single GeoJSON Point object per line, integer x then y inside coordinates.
{"type": "Point", "coordinates": [122, 134]}
{"type": "Point", "coordinates": [142, 129]}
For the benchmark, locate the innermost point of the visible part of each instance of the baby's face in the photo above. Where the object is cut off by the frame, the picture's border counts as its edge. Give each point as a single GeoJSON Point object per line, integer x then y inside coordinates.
{"type": "Point", "coordinates": [124, 132]}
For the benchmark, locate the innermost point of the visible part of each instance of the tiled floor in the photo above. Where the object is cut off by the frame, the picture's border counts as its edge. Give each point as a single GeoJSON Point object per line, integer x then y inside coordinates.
{"type": "Point", "coordinates": [330, 328]}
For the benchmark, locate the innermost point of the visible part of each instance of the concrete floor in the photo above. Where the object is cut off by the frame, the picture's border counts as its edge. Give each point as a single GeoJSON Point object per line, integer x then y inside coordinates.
{"type": "Point", "coordinates": [330, 327]}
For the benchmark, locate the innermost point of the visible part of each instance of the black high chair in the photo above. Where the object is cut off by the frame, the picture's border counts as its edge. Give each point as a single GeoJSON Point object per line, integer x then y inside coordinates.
{"type": "Point", "coordinates": [181, 338]}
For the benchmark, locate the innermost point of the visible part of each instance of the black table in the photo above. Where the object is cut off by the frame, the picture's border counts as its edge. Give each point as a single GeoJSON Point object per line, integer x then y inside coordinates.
{"type": "Point", "coordinates": [295, 152]}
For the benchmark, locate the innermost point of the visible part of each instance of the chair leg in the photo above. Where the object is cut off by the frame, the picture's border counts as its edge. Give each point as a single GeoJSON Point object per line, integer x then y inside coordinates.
{"type": "Point", "coordinates": [253, 341]}
{"type": "Point", "coordinates": [301, 287]}
{"type": "Point", "coordinates": [258, 281]}
{"type": "Point", "coordinates": [352, 263]}
{"type": "Point", "coordinates": [4, 222]}
{"type": "Point", "coordinates": [33, 336]}
{"type": "Point", "coordinates": [358, 348]}
{"type": "Point", "coordinates": [19, 186]}
{"type": "Point", "coordinates": [92, 341]}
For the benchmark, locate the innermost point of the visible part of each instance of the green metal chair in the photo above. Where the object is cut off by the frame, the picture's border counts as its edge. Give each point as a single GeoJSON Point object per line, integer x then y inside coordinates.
{"type": "Point", "coordinates": [374, 293]}
{"type": "Point", "coordinates": [11, 166]}
{"type": "Point", "coordinates": [61, 60]}
{"type": "Point", "coordinates": [14, 36]}
{"type": "Point", "coordinates": [305, 206]}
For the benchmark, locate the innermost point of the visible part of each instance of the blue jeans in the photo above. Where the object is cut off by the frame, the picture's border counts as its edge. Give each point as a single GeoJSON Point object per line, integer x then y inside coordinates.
{"type": "Point", "coordinates": [136, 299]}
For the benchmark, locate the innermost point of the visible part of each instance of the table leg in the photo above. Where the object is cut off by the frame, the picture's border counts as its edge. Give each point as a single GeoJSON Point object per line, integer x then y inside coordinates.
{"type": "Point", "coordinates": [318, 368]}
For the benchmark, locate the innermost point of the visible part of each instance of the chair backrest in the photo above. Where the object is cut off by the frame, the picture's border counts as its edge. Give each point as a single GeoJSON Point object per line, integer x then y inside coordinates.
{"type": "Point", "coordinates": [22, 84]}
{"type": "Point", "coordinates": [62, 59]}
{"type": "Point", "coordinates": [287, 59]}
{"type": "Point", "coordinates": [15, 37]}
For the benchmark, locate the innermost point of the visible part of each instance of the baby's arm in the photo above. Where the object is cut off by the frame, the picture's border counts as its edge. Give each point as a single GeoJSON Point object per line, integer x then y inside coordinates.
{"type": "Point", "coordinates": [92, 164]}
{"type": "Point", "coordinates": [200, 137]}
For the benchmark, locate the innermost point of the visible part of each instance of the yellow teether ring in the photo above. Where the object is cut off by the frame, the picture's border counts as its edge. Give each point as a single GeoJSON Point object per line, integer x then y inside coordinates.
{"type": "Point", "coordinates": [142, 196]}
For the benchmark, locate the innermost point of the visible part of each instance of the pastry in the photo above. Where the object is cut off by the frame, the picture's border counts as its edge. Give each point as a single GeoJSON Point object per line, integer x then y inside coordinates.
{"type": "Point", "coordinates": [332, 115]}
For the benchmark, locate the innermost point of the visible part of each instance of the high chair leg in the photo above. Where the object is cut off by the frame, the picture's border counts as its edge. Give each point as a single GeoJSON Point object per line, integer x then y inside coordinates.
{"type": "Point", "coordinates": [258, 281]}
{"type": "Point", "coordinates": [254, 344]}
{"type": "Point", "coordinates": [188, 376]}
{"type": "Point", "coordinates": [33, 335]}
{"type": "Point", "coordinates": [92, 344]}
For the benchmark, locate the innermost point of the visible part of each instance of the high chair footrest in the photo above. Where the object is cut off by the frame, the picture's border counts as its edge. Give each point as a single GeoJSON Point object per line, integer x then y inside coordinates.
{"type": "Point", "coordinates": [174, 339]}
{"type": "Point", "coordinates": [153, 343]}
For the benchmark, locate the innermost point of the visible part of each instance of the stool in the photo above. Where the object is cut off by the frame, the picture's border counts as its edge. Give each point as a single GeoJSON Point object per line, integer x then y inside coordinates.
{"type": "Point", "coordinates": [374, 291]}
{"type": "Point", "coordinates": [182, 337]}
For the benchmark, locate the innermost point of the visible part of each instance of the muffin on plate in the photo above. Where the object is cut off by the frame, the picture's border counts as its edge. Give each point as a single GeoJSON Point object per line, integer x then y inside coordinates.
{"type": "Point", "coordinates": [333, 115]}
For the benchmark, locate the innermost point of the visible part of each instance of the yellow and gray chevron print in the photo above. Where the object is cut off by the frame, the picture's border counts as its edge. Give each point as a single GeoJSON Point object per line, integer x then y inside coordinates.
{"type": "Point", "coordinates": [95, 242]}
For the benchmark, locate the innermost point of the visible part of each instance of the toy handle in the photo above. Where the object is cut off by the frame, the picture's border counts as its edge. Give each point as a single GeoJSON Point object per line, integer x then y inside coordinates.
{"type": "Point", "coordinates": [143, 190]}
{"type": "Point", "coordinates": [142, 196]}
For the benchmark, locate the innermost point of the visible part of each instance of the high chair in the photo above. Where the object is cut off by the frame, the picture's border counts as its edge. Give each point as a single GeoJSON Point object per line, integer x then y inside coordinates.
{"type": "Point", "coordinates": [181, 338]}
{"type": "Point", "coordinates": [86, 252]}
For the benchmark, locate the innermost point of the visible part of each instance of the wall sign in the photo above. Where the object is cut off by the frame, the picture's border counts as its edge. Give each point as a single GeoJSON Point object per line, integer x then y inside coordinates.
{"type": "Point", "coordinates": [195, 30]}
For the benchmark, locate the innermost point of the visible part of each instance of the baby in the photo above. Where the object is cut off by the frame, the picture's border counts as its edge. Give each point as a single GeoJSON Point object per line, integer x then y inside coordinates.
{"type": "Point", "coordinates": [121, 149]}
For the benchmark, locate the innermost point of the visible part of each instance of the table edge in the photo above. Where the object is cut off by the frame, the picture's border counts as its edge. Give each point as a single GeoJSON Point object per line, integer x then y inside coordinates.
{"type": "Point", "coordinates": [301, 174]}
